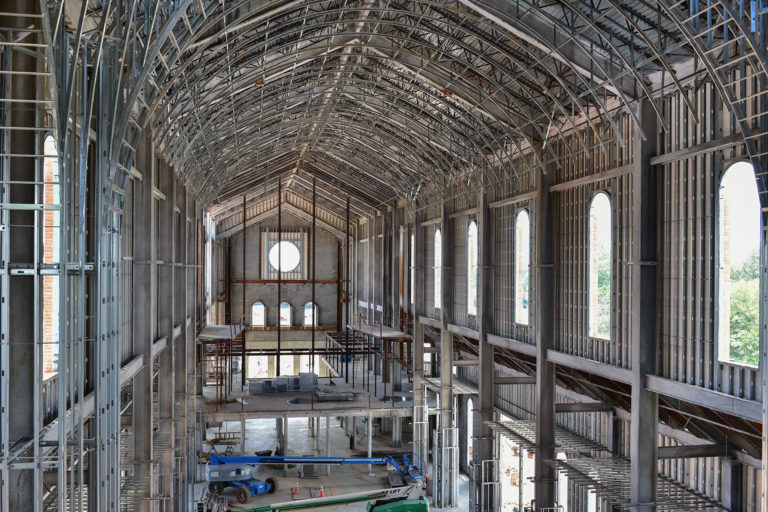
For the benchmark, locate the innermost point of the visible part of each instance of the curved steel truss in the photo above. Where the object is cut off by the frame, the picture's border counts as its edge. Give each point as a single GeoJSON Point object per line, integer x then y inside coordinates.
{"type": "Point", "coordinates": [400, 94]}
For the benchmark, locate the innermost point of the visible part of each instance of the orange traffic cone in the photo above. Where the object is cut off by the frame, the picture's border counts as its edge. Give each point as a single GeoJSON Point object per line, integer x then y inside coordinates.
{"type": "Point", "coordinates": [296, 489]}
{"type": "Point", "coordinates": [322, 492]}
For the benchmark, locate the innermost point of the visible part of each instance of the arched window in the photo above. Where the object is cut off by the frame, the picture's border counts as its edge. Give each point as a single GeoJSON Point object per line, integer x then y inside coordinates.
{"type": "Point", "coordinates": [472, 268]}
{"type": "Point", "coordinates": [50, 249]}
{"type": "Point", "coordinates": [285, 314]}
{"type": "Point", "coordinates": [438, 268]}
{"type": "Point", "coordinates": [600, 267]}
{"type": "Point", "coordinates": [739, 266]}
{"type": "Point", "coordinates": [308, 313]}
{"type": "Point", "coordinates": [522, 266]}
{"type": "Point", "coordinates": [258, 314]}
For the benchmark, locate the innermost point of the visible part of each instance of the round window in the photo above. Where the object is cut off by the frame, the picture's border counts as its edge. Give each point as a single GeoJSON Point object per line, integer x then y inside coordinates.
{"type": "Point", "coordinates": [284, 256]}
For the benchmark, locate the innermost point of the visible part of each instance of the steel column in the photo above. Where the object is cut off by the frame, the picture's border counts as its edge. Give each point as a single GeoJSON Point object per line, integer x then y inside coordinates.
{"type": "Point", "coordinates": [545, 477]}
{"type": "Point", "coordinates": [644, 424]}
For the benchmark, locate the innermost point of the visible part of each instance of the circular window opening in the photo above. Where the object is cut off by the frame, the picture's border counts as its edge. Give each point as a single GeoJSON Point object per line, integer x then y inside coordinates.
{"type": "Point", "coordinates": [284, 256]}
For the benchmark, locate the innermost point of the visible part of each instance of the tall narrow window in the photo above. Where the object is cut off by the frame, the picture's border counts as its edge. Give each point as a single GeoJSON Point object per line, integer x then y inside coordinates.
{"type": "Point", "coordinates": [600, 267]}
{"type": "Point", "coordinates": [438, 268]}
{"type": "Point", "coordinates": [310, 311]}
{"type": "Point", "coordinates": [413, 268]}
{"type": "Point", "coordinates": [285, 314]}
{"type": "Point", "coordinates": [51, 248]}
{"type": "Point", "coordinates": [739, 267]}
{"type": "Point", "coordinates": [470, 427]}
{"type": "Point", "coordinates": [472, 268]}
{"type": "Point", "coordinates": [258, 314]}
{"type": "Point", "coordinates": [522, 266]}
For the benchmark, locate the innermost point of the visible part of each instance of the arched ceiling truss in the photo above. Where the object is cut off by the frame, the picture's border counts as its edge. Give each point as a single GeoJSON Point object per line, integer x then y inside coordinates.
{"type": "Point", "coordinates": [376, 99]}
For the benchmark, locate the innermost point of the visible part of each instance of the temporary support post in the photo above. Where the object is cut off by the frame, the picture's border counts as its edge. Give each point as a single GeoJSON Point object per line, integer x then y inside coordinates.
{"type": "Point", "coordinates": [545, 477]}
{"type": "Point", "coordinates": [644, 424]}
{"type": "Point", "coordinates": [483, 436]}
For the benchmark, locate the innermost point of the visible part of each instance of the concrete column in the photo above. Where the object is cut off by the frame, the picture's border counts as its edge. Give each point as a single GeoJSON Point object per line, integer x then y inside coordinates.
{"type": "Point", "coordinates": [242, 434]}
{"type": "Point", "coordinates": [279, 434]}
{"type": "Point", "coordinates": [483, 435]}
{"type": "Point", "coordinates": [545, 477]}
{"type": "Point", "coordinates": [644, 425]}
{"type": "Point", "coordinates": [397, 431]}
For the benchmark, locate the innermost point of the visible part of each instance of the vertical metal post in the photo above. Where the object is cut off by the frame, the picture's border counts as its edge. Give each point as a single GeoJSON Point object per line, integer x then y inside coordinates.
{"type": "Point", "coordinates": [279, 272]}
{"type": "Point", "coordinates": [644, 424]}
{"type": "Point", "coordinates": [328, 443]}
{"type": "Point", "coordinates": [314, 266]}
{"type": "Point", "coordinates": [244, 285]}
{"type": "Point", "coordinates": [483, 435]}
{"type": "Point", "coordinates": [448, 466]}
{"type": "Point", "coordinates": [545, 477]}
{"type": "Point", "coordinates": [347, 295]}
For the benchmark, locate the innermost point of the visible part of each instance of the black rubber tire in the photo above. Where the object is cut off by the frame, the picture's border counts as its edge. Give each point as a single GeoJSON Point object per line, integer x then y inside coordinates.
{"type": "Point", "coordinates": [271, 481]}
{"type": "Point", "coordinates": [216, 487]}
{"type": "Point", "coordinates": [242, 495]}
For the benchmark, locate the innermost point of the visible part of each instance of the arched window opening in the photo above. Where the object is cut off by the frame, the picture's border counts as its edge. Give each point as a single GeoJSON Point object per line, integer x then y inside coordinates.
{"type": "Point", "coordinates": [472, 268]}
{"type": "Point", "coordinates": [470, 428]}
{"type": "Point", "coordinates": [50, 249]}
{"type": "Point", "coordinates": [258, 314]}
{"type": "Point", "coordinates": [522, 266]}
{"type": "Point", "coordinates": [310, 311]}
{"type": "Point", "coordinates": [285, 314]}
{"type": "Point", "coordinates": [600, 267]}
{"type": "Point", "coordinates": [438, 268]}
{"type": "Point", "coordinates": [739, 266]}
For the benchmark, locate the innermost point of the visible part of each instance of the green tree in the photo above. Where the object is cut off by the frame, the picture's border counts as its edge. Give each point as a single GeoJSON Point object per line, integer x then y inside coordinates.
{"type": "Point", "coordinates": [604, 291]}
{"type": "Point", "coordinates": [744, 329]}
{"type": "Point", "coordinates": [748, 270]}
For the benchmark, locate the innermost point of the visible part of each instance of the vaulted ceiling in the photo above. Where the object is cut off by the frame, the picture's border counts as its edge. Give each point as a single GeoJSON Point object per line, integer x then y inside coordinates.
{"type": "Point", "coordinates": [377, 99]}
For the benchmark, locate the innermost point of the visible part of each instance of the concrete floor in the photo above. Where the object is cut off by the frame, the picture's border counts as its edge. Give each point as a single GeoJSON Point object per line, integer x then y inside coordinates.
{"type": "Point", "coordinates": [261, 434]}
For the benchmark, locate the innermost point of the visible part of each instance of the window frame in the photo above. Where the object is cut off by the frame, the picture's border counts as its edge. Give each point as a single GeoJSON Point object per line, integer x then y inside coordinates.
{"type": "Point", "coordinates": [280, 323]}
{"type": "Point", "coordinates": [726, 167]}
{"type": "Point", "coordinates": [470, 247]}
{"type": "Point", "coordinates": [313, 314]}
{"type": "Point", "coordinates": [515, 265]}
{"type": "Point", "coordinates": [597, 193]}
{"type": "Point", "coordinates": [264, 314]}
